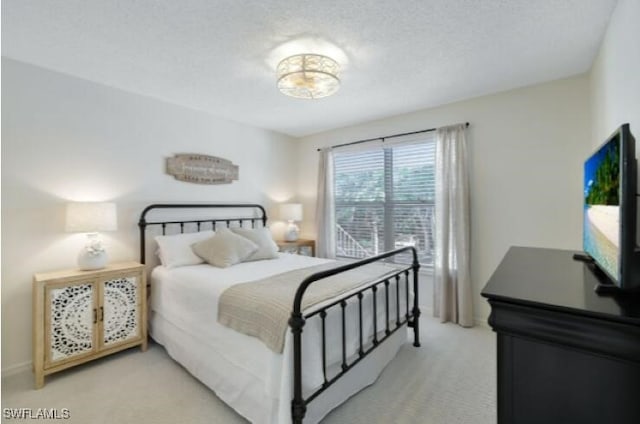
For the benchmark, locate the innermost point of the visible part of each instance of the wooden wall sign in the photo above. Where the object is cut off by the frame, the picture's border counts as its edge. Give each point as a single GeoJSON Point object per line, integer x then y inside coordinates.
{"type": "Point", "coordinates": [202, 169]}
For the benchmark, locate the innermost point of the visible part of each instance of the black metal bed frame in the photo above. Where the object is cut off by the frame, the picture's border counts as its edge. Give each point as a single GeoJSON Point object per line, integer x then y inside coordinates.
{"type": "Point", "coordinates": [297, 320]}
{"type": "Point", "coordinates": [143, 224]}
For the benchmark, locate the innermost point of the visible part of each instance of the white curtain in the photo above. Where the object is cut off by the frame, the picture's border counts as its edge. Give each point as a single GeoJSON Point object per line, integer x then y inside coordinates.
{"type": "Point", "coordinates": [452, 294]}
{"type": "Point", "coordinates": [325, 208]}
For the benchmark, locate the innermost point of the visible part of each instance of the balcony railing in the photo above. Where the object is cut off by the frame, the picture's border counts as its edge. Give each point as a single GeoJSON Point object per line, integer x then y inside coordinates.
{"type": "Point", "coordinates": [348, 247]}
{"type": "Point", "coordinates": [367, 241]}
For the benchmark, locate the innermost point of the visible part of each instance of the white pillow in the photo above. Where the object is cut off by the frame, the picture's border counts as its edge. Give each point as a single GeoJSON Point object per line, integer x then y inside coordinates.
{"type": "Point", "coordinates": [267, 248]}
{"type": "Point", "coordinates": [175, 250]}
{"type": "Point", "coordinates": [225, 249]}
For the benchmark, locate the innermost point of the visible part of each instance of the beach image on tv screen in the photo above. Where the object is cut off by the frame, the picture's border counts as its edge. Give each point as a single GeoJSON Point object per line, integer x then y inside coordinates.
{"type": "Point", "coordinates": [602, 207]}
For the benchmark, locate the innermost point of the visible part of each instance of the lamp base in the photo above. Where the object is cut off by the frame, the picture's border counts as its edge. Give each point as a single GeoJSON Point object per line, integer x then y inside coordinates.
{"type": "Point", "coordinates": [89, 261]}
{"type": "Point", "coordinates": [292, 232]}
{"type": "Point", "coordinates": [93, 255]}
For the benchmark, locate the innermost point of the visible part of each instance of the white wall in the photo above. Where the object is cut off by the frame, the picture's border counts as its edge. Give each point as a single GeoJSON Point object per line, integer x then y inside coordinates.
{"type": "Point", "coordinates": [615, 76]}
{"type": "Point", "coordinates": [69, 139]}
{"type": "Point", "coordinates": [527, 148]}
{"type": "Point", "coordinates": [615, 79]}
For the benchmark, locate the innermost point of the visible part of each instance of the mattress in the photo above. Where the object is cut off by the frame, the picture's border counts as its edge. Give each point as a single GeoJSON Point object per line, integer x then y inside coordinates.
{"type": "Point", "coordinates": [240, 369]}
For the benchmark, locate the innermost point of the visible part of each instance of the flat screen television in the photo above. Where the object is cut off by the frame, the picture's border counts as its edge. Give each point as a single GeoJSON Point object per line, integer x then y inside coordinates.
{"type": "Point", "coordinates": [610, 210]}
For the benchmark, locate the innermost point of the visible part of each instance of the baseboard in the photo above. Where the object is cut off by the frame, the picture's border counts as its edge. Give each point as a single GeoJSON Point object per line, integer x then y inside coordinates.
{"type": "Point", "coordinates": [482, 322]}
{"type": "Point", "coordinates": [478, 321]}
{"type": "Point", "coordinates": [16, 369]}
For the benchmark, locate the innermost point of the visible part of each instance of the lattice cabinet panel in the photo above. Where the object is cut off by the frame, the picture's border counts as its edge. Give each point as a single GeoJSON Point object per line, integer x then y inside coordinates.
{"type": "Point", "coordinates": [70, 314]}
{"type": "Point", "coordinates": [121, 311]}
{"type": "Point", "coordinates": [83, 315]}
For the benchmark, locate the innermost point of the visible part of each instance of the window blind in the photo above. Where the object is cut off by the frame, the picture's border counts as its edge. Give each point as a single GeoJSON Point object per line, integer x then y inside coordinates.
{"type": "Point", "coordinates": [384, 199]}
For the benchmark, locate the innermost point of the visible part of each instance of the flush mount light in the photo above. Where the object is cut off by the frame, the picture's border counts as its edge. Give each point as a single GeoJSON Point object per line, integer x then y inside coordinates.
{"type": "Point", "coordinates": [308, 76]}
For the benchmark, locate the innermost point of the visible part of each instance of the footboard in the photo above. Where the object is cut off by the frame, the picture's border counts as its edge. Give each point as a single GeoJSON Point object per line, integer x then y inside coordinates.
{"type": "Point", "coordinates": [297, 321]}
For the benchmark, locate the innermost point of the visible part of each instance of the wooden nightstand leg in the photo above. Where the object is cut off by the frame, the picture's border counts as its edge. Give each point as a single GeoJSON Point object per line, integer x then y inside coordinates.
{"type": "Point", "coordinates": [144, 345]}
{"type": "Point", "coordinates": [39, 381]}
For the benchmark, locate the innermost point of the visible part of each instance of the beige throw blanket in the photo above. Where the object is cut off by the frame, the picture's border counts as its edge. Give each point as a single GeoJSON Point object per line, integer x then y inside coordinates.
{"type": "Point", "coordinates": [262, 308]}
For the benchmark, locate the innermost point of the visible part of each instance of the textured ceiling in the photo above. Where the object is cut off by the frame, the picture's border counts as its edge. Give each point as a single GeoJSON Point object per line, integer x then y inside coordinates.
{"type": "Point", "coordinates": [220, 55]}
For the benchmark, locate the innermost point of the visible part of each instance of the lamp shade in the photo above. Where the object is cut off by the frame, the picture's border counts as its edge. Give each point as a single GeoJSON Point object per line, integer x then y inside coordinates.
{"type": "Point", "coordinates": [291, 212]}
{"type": "Point", "coordinates": [91, 217]}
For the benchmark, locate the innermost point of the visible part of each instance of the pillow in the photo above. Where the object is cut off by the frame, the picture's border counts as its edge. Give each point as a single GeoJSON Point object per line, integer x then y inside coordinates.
{"type": "Point", "coordinates": [225, 249]}
{"type": "Point", "coordinates": [267, 248]}
{"type": "Point", "coordinates": [175, 250]}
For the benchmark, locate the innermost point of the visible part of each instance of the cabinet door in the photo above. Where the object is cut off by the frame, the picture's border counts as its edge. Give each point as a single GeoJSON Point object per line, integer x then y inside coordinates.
{"type": "Point", "coordinates": [120, 310]}
{"type": "Point", "coordinates": [70, 317]}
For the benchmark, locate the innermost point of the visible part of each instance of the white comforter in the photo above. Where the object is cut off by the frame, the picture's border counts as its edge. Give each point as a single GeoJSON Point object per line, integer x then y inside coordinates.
{"type": "Point", "coordinates": [186, 299]}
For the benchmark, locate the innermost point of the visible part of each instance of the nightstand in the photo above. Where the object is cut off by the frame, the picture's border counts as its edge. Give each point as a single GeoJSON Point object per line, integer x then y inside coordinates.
{"type": "Point", "coordinates": [299, 246]}
{"type": "Point", "coordinates": [79, 316]}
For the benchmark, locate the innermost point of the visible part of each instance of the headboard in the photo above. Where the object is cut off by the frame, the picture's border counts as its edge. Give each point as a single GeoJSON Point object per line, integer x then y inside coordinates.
{"type": "Point", "coordinates": [199, 221]}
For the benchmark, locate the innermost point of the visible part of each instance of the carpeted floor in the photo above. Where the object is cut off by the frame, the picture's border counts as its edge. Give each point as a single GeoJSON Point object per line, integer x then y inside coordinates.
{"type": "Point", "coordinates": [449, 380]}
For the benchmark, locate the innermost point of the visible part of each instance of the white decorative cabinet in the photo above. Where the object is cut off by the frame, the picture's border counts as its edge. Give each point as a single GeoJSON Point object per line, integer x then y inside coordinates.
{"type": "Point", "coordinates": [83, 315]}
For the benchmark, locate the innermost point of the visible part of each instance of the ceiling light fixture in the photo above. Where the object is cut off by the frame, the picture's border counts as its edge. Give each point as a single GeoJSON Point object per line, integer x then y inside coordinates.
{"type": "Point", "coordinates": [308, 76]}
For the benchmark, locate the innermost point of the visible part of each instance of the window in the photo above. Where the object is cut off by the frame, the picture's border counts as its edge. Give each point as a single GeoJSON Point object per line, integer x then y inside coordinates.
{"type": "Point", "coordinates": [384, 199]}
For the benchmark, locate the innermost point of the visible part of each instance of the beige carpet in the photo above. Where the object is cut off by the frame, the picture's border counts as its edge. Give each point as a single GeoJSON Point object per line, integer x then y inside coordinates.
{"type": "Point", "coordinates": [449, 380]}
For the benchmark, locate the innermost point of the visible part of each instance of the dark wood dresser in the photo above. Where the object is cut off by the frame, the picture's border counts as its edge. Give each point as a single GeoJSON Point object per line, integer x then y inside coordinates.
{"type": "Point", "coordinates": [565, 354]}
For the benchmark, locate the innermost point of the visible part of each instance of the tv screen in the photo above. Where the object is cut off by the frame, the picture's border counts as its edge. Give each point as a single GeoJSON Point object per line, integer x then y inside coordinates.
{"type": "Point", "coordinates": [610, 205]}
{"type": "Point", "coordinates": [602, 207]}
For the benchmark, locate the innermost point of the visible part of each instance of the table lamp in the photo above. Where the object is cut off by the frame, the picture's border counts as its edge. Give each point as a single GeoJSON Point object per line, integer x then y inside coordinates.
{"type": "Point", "coordinates": [90, 218]}
{"type": "Point", "coordinates": [291, 212]}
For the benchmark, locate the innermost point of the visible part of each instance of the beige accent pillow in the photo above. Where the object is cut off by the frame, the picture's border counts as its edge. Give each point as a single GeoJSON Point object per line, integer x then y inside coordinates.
{"type": "Point", "coordinates": [267, 248]}
{"type": "Point", "coordinates": [224, 249]}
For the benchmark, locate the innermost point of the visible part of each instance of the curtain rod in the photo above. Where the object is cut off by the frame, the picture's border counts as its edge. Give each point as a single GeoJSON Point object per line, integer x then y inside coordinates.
{"type": "Point", "coordinates": [388, 136]}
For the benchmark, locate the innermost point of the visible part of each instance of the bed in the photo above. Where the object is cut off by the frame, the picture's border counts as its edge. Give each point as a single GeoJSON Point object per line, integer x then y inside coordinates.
{"type": "Point", "coordinates": [331, 350]}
